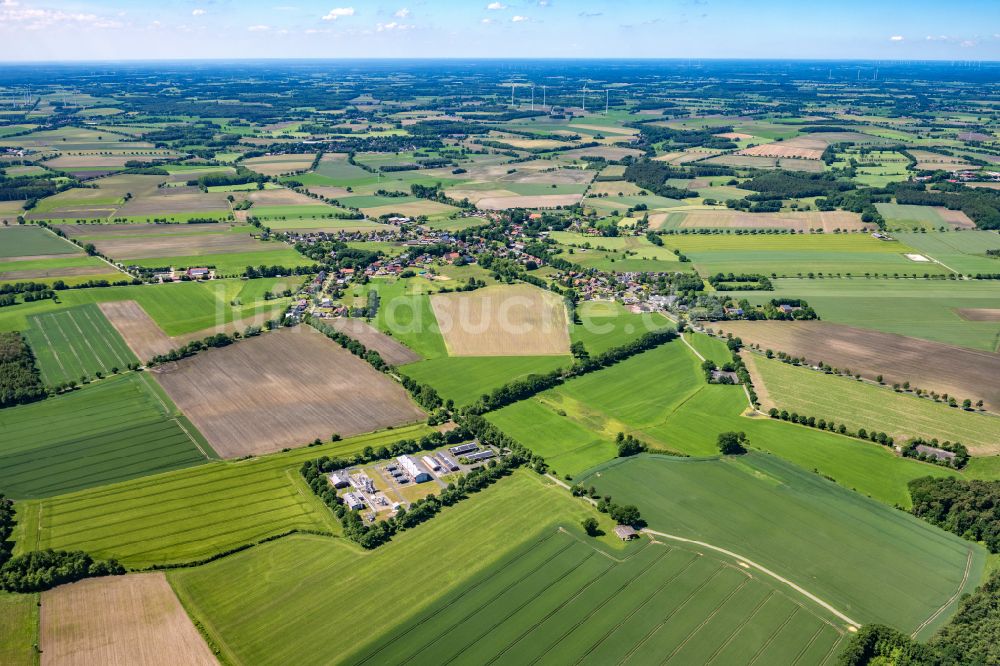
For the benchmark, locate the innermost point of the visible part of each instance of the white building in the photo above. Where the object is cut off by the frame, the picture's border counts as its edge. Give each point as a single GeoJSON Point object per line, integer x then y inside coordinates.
{"type": "Point", "coordinates": [414, 469]}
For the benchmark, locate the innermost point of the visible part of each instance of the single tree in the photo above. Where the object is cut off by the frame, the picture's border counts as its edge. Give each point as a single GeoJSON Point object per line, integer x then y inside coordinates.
{"type": "Point", "coordinates": [733, 443]}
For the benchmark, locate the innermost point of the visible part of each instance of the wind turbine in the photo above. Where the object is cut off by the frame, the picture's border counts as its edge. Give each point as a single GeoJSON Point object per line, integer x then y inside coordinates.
{"type": "Point", "coordinates": [512, 94]}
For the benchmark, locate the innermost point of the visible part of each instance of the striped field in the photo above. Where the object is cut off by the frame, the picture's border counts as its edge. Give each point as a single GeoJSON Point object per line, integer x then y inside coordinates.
{"type": "Point", "coordinates": [76, 342]}
{"type": "Point", "coordinates": [191, 514]}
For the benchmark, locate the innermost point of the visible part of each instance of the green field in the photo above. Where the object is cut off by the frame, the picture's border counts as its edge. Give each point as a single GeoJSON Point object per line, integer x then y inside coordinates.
{"type": "Point", "coordinates": [862, 405]}
{"type": "Point", "coordinates": [116, 429]}
{"type": "Point", "coordinates": [710, 347]}
{"type": "Point", "coordinates": [465, 378]}
{"type": "Point", "coordinates": [604, 325]}
{"type": "Point", "coordinates": [911, 217]}
{"type": "Point", "coordinates": [178, 308]}
{"type": "Point", "coordinates": [561, 600]}
{"type": "Point", "coordinates": [574, 425]}
{"type": "Point", "coordinates": [623, 253]}
{"type": "Point", "coordinates": [232, 264]}
{"type": "Point", "coordinates": [18, 629]}
{"type": "Point", "coordinates": [191, 514]}
{"type": "Point", "coordinates": [963, 251]}
{"type": "Point", "coordinates": [916, 308]}
{"type": "Point", "coordinates": [405, 313]}
{"type": "Point", "coordinates": [857, 555]}
{"type": "Point", "coordinates": [28, 240]}
{"type": "Point", "coordinates": [76, 342]}
{"type": "Point", "coordinates": [791, 255]}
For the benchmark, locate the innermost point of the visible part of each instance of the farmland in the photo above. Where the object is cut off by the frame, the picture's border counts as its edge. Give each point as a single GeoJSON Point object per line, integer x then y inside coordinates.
{"type": "Point", "coordinates": [961, 373]}
{"type": "Point", "coordinates": [18, 628]}
{"type": "Point", "coordinates": [502, 321]}
{"type": "Point", "coordinates": [303, 369]}
{"type": "Point", "coordinates": [30, 241]}
{"type": "Point", "coordinates": [115, 429]}
{"type": "Point", "coordinates": [883, 549]}
{"type": "Point", "coordinates": [76, 342]}
{"type": "Point", "coordinates": [119, 619]}
{"type": "Point", "coordinates": [604, 325]}
{"type": "Point", "coordinates": [862, 405]}
{"type": "Point", "coordinates": [465, 378]}
{"type": "Point", "coordinates": [191, 514]}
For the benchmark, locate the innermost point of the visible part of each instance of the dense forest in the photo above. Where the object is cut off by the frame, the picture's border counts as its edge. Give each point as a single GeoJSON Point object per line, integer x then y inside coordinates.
{"type": "Point", "coordinates": [20, 381]}
{"type": "Point", "coordinates": [970, 509]}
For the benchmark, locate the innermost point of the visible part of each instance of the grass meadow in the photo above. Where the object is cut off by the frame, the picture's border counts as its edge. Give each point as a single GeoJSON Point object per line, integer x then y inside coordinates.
{"type": "Point", "coordinates": [465, 378]}
{"type": "Point", "coordinates": [28, 240]}
{"type": "Point", "coordinates": [191, 514]}
{"type": "Point", "coordinates": [109, 431]}
{"type": "Point", "coordinates": [862, 405]}
{"type": "Point", "coordinates": [76, 342]}
{"type": "Point", "coordinates": [18, 629]}
{"type": "Point", "coordinates": [859, 556]}
{"type": "Point", "coordinates": [605, 324]}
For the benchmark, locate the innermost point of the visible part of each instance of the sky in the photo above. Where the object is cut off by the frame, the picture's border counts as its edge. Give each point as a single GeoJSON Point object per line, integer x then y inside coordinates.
{"type": "Point", "coordinates": [34, 30]}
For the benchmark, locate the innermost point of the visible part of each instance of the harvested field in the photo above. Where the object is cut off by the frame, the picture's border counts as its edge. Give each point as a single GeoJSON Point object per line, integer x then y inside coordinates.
{"type": "Point", "coordinates": [393, 352]}
{"type": "Point", "coordinates": [280, 197]}
{"type": "Point", "coordinates": [799, 221]}
{"type": "Point", "coordinates": [549, 177]}
{"type": "Point", "coordinates": [122, 249]}
{"type": "Point", "coordinates": [955, 218]}
{"type": "Point", "coordinates": [502, 321]}
{"type": "Point", "coordinates": [475, 196]}
{"type": "Point", "coordinates": [735, 136]}
{"type": "Point", "coordinates": [140, 229]}
{"type": "Point", "coordinates": [528, 201]}
{"type": "Point", "coordinates": [329, 191]}
{"type": "Point", "coordinates": [134, 619]}
{"type": "Point", "coordinates": [62, 272]}
{"type": "Point", "coordinates": [283, 389]}
{"type": "Point", "coordinates": [805, 147]}
{"type": "Point", "coordinates": [275, 165]}
{"type": "Point", "coordinates": [932, 366]}
{"type": "Point", "coordinates": [610, 153]}
{"type": "Point", "coordinates": [756, 162]}
{"type": "Point", "coordinates": [174, 200]}
{"type": "Point", "coordinates": [979, 314]}
{"type": "Point", "coordinates": [410, 209]}
{"type": "Point", "coordinates": [137, 328]}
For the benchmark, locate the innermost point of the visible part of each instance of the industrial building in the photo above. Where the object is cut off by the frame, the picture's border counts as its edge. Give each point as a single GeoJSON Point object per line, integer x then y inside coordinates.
{"type": "Point", "coordinates": [414, 469]}
{"type": "Point", "coordinates": [353, 501]}
{"type": "Point", "coordinates": [448, 463]}
{"type": "Point", "coordinates": [482, 455]}
{"type": "Point", "coordinates": [337, 480]}
{"type": "Point", "coordinates": [462, 449]}
{"type": "Point", "coordinates": [432, 464]}
{"type": "Point", "coordinates": [362, 482]}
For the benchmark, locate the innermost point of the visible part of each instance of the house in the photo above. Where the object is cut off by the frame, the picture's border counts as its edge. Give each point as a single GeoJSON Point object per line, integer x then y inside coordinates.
{"type": "Point", "coordinates": [733, 311]}
{"type": "Point", "coordinates": [199, 273]}
{"type": "Point", "coordinates": [934, 452]}
{"type": "Point", "coordinates": [625, 532]}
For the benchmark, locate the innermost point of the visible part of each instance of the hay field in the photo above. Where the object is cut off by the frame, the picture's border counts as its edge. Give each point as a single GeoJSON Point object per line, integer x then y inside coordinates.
{"type": "Point", "coordinates": [410, 209]}
{"type": "Point", "coordinates": [96, 231]}
{"type": "Point", "coordinates": [798, 220]}
{"type": "Point", "coordinates": [518, 320]}
{"type": "Point", "coordinates": [610, 153]}
{"type": "Point", "coordinates": [275, 165]}
{"type": "Point", "coordinates": [280, 197]}
{"type": "Point", "coordinates": [175, 200]}
{"type": "Point", "coordinates": [134, 619]}
{"type": "Point", "coordinates": [393, 352]}
{"type": "Point", "coordinates": [283, 389]}
{"type": "Point", "coordinates": [864, 405]}
{"type": "Point", "coordinates": [528, 201]}
{"type": "Point", "coordinates": [962, 373]}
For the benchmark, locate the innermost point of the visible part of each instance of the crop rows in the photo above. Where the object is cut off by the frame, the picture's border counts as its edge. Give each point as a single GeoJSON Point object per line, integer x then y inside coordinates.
{"type": "Point", "coordinates": [563, 601]}
{"type": "Point", "coordinates": [76, 342]}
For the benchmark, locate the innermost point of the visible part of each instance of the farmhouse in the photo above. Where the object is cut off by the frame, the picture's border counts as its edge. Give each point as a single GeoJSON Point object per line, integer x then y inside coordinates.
{"type": "Point", "coordinates": [625, 532]}
{"type": "Point", "coordinates": [934, 452]}
{"type": "Point", "coordinates": [199, 273]}
{"type": "Point", "coordinates": [414, 469]}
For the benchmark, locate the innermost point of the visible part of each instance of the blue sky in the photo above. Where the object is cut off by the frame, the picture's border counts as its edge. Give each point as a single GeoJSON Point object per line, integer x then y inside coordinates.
{"type": "Point", "coordinates": [126, 29]}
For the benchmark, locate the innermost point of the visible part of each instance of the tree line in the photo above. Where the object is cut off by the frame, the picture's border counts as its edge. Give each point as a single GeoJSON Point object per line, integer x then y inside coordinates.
{"type": "Point", "coordinates": [968, 508]}
{"type": "Point", "coordinates": [20, 380]}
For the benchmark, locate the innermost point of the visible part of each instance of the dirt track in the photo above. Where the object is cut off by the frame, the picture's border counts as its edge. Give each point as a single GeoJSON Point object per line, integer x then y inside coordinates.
{"type": "Point", "coordinates": [118, 620]}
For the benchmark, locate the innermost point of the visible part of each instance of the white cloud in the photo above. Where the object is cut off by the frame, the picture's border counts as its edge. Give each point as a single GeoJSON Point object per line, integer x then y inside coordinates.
{"type": "Point", "coordinates": [543, 3]}
{"type": "Point", "coordinates": [496, 5]}
{"type": "Point", "coordinates": [392, 25]}
{"type": "Point", "coordinates": [30, 18]}
{"type": "Point", "coordinates": [198, 12]}
{"type": "Point", "coordinates": [338, 12]}
{"type": "Point", "coordinates": [259, 28]}
{"type": "Point", "coordinates": [518, 19]}
{"type": "Point", "coordinates": [402, 13]}
{"type": "Point", "coordinates": [896, 38]}
{"type": "Point", "coordinates": [486, 21]}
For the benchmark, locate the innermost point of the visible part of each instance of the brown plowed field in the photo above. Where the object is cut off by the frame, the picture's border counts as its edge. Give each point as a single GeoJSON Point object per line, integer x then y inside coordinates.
{"type": "Point", "coordinates": [102, 269]}
{"type": "Point", "coordinates": [141, 229]}
{"type": "Point", "coordinates": [122, 249]}
{"type": "Point", "coordinates": [391, 351]}
{"type": "Point", "coordinates": [118, 620]}
{"type": "Point", "coordinates": [962, 373]}
{"type": "Point", "coordinates": [518, 320]}
{"type": "Point", "coordinates": [174, 200]}
{"type": "Point", "coordinates": [528, 201]}
{"type": "Point", "coordinates": [138, 329]}
{"type": "Point", "coordinates": [979, 314]}
{"type": "Point", "coordinates": [283, 389]}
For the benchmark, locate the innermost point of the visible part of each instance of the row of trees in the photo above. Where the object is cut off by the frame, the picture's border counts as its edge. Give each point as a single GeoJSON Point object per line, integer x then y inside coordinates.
{"type": "Point", "coordinates": [522, 389]}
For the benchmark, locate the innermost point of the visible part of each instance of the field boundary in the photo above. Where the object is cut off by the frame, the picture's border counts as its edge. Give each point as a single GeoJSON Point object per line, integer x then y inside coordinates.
{"type": "Point", "coordinates": [954, 597]}
{"type": "Point", "coordinates": [801, 590]}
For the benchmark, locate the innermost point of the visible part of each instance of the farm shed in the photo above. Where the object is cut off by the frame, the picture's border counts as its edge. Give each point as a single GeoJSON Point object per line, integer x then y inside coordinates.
{"type": "Point", "coordinates": [625, 532]}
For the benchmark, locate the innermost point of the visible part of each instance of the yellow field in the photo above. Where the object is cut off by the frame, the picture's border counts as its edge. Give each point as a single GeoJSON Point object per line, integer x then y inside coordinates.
{"type": "Point", "coordinates": [518, 320]}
